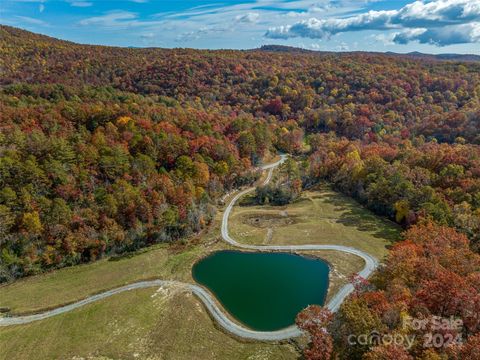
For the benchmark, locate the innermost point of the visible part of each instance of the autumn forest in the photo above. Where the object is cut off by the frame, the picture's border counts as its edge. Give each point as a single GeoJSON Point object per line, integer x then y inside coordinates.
{"type": "Point", "coordinates": [105, 151]}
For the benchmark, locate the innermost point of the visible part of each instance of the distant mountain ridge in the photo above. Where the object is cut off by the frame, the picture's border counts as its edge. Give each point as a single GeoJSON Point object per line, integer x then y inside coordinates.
{"type": "Point", "coordinates": [413, 55]}
{"type": "Point", "coordinates": [20, 34]}
{"type": "Point", "coordinates": [452, 57]}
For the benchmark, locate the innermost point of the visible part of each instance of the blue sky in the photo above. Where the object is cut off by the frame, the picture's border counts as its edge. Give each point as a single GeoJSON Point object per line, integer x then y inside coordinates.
{"type": "Point", "coordinates": [433, 26]}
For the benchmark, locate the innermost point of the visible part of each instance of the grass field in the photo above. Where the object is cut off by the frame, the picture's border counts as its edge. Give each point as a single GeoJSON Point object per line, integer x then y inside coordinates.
{"type": "Point", "coordinates": [174, 324]}
{"type": "Point", "coordinates": [140, 324]}
{"type": "Point", "coordinates": [70, 284]}
{"type": "Point", "coordinates": [320, 216]}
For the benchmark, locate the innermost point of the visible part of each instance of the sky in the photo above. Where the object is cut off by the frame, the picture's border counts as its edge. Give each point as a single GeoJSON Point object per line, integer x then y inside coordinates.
{"type": "Point", "coordinates": [430, 26]}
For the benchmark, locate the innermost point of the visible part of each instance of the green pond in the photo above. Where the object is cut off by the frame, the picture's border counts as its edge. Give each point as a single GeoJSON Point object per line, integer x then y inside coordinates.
{"type": "Point", "coordinates": [264, 291]}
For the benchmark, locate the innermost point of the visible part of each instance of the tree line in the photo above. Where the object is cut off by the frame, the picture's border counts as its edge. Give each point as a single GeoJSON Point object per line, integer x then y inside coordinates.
{"type": "Point", "coordinates": [104, 150]}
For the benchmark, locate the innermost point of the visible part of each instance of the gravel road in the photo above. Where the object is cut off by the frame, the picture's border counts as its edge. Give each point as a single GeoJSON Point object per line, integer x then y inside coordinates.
{"type": "Point", "coordinates": [210, 303]}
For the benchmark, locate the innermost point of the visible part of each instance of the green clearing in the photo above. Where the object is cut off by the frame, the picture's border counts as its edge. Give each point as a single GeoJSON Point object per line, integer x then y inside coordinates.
{"type": "Point", "coordinates": [320, 216]}
{"type": "Point", "coordinates": [133, 323]}
{"type": "Point", "coordinates": [139, 324]}
{"type": "Point", "coordinates": [70, 284]}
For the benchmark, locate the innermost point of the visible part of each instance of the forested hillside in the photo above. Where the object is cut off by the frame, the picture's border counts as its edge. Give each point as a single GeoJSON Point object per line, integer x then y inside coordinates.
{"type": "Point", "coordinates": [105, 138]}
{"type": "Point", "coordinates": [105, 150]}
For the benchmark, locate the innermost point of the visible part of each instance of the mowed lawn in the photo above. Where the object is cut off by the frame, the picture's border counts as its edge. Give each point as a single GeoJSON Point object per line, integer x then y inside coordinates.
{"type": "Point", "coordinates": [165, 323]}
{"type": "Point", "coordinates": [151, 324]}
{"type": "Point", "coordinates": [171, 323]}
{"type": "Point", "coordinates": [167, 262]}
{"type": "Point", "coordinates": [342, 266]}
{"type": "Point", "coordinates": [74, 283]}
{"type": "Point", "coordinates": [320, 216]}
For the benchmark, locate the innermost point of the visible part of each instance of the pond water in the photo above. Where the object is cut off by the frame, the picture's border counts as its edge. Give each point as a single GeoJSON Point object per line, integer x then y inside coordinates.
{"type": "Point", "coordinates": [264, 291]}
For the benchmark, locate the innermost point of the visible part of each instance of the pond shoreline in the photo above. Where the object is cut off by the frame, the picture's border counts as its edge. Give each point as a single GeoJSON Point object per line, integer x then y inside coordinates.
{"type": "Point", "coordinates": [227, 324]}
{"type": "Point", "coordinates": [263, 290]}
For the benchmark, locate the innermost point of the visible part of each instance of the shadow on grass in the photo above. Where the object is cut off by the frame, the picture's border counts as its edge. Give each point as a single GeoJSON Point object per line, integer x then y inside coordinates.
{"type": "Point", "coordinates": [247, 200]}
{"type": "Point", "coordinates": [353, 214]}
{"type": "Point", "coordinates": [348, 213]}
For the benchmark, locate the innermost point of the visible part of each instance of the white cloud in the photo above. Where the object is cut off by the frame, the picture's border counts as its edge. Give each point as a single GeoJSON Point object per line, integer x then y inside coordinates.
{"type": "Point", "coordinates": [384, 38]}
{"type": "Point", "coordinates": [343, 47]}
{"type": "Point", "coordinates": [118, 19]}
{"type": "Point", "coordinates": [443, 22]}
{"type": "Point", "coordinates": [407, 35]}
{"type": "Point", "coordinates": [148, 38]}
{"type": "Point", "coordinates": [323, 28]}
{"type": "Point", "coordinates": [448, 35]}
{"type": "Point", "coordinates": [439, 11]}
{"type": "Point", "coordinates": [250, 17]}
{"type": "Point", "coordinates": [31, 21]}
{"type": "Point", "coordinates": [197, 34]}
{"type": "Point", "coordinates": [81, 3]}
{"type": "Point", "coordinates": [112, 18]}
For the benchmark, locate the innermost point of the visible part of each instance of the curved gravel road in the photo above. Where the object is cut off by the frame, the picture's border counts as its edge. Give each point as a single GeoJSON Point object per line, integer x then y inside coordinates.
{"type": "Point", "coordinates": [218, 314]}
{"type": "Point", "coordinates": [371, 263]}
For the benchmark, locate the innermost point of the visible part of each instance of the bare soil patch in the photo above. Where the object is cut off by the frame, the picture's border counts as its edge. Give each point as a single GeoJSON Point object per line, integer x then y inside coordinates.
{"type": "Point", "coordinates": [269, 220]}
